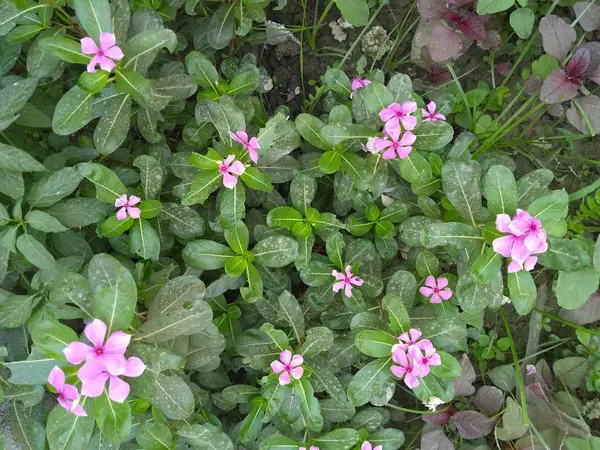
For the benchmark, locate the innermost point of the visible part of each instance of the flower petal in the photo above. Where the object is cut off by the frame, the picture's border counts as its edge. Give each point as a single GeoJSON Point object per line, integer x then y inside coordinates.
{"type": "Point", "coordinates": [117, 342]}
{"type": "Point", "coordinates": [106, 63]}
{"type": "Point", "coordinates": [79, 411]}
{"type": "Point", "coordinates": [399, 357]}
{"type": "Point", "coordinates": [56, 378]}
{"type": "Point", "coordinates": [348, 290]}
{"type": "Point", "coordinates": [94, 387]}
{"type": "Point", "coordinates": [277, 366]}
{"type": "Point", "coordinates": [122, 214]}
{"type": "Point", "coordinates": [425, 291]}
{"type": "Point", "coordinates": [135, 367]}
{"type": "Point", "coordinates": [366, 446]}
{"type": "Point", "coordinates": [411, 380]}
{"type": "Point", "coordinates": [357, 281]}
{"type": "Point", "coordinates": [435, 298]}
{"type": "Point", "coordinates": [254, 144]}
{"type": "Point", "coordinates": [115, 363]}
{"type": "Point", "coordinates": [430, 281]}
{"type": "Point", "coordinates": [134, 213]}
{"type": "Point", "coordinates": [446, 294]}
{"type": "Point", "coordinates": [90, 370]}
{"type": "Point", "coordinates": [96, 332]}
{"type": "Point", "coordinates": [297, 372]}
{"type": "Point", "coordinates": [398, 371]}
{"type": "Point", "coordinates": [284, 378]}
{"type": "Point", "coordinates": [115, 53]}
{"type": "Point", "coordinates": [70, 392]}
{"type": "Point", "coordinates": [118, 390]}
{"type": "Point", "coordinates": [348, 271]}
{"type": "Point", "coordinates": [88, 46]}
{"type": "Point", "coordinates": [390, 153]}
{"type": "Point", "coordinates": [253, 155]}
{"type": "Point", "coordinates": [403, 152]}
{"type": "Point", "coordinates": [237, 168]}
{"type": "Point", "coordinates": [408, 138]}
{"type": "Point", "coordinates": [285, 357]}
{"type": "Point", "coordinates": [503, 245]}
{"type": "Point", "coordinates": [121, 200]}
{"type": "Point", "coordinates": [134, 200]}
{"type": "Point", "coordinates": [229, 160]}
{"type": "Point", "coordinates": [442, 282]}
{"type": "Point", "coordinates": [77, 352]}
{"type": "Point", "coordinates": [297, 360]}
{"type": "Point", "coordinates": [409, 107]}
{"type": "Point", "coordinates": [530, 263]}
{"type": "Point", "coordinates": [338, 286]}
{"type": "Point", "coordinates": [409, 122]}
{"type": "Point", "coordinates": [65, 403]}
{"type": "Point", "coordinates": [503, 222]}
{"type": "Point", "coordinates": [415, 334]}
{"type": "Point", "coordinates": [337, 275]}
{"type": "Point", "coordinates": [91, 67]}
{"type": "Point", "coordinates": [229, 181]}
{"type": "Point", "coordinates": [107, 40]}
{"type": "Point", "coordinates": [514, 267]}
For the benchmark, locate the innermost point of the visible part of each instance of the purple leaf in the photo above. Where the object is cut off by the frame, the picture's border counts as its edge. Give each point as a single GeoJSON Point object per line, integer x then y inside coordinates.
{"type": "Point", "coordinates": [591, 105]}
{"type": "Point", "coordinates": [491, 42]}
{"type": "Point", "coordinates": [590, 19]}
{"type": "Point", "coordinates": [588, 312]}
{"type": "Point", "coordinates": [557, 110]}
{"type": "Point", "coordinates": [445, 43]}
{"type": "Point", "coordinates": [533, 83]}
{"type": "Point", "coordinates": [431, 10]}
{"type": "Point", "coordinates": [436, 440]}
{"type": "Point", "coordinates": [472, 26]}
{"type": "Point", "coordinates": [557, 36]}
{"type": "Point", "coordinates": [460, 3]}
{"type": "Point", "coordinates": [558, 87]}
{"type": "Point", "coordinates": [473, 424]}
{"type": "Point", "coordinates": [578, 64]}
{"type": "Point", "coordinates": [489, 399]}
{"type": "Point", "coordinates": [594, 49]}
{"type": "Point", "coordinates": [440, 419]}
{"type": "Point", "coordinates": [464, 385]}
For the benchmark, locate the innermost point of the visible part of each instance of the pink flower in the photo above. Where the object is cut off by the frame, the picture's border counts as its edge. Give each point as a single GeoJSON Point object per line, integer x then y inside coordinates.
{"type": "Point", "coordinates": [357, 83]}
{"type": "Point", "coordinates": [397, 113]}
{"type": "Point", "coordinates": [102, 356]}
{"type": "Point", "coordinates": [408, 339]}
{"type": "Point", "coordinates": [118, 390]}
{"type": "Point", "coordinates": [429, 114]}
{"type": "Point", "coordinates": [438, 291]}
{"type": "Point", "coordinates": [312, 447]}
{"type": "Point", "coordinates": [288, 365]}
{"type": "Point", "coordinates": [423, 362]}
{"type": "Point", "coordinates": [345, 281]}
{"type": "Point", "coordinates": [67, 393]}
{"type": "Point", "coordinates": [402, 146]}
{"type": "Point", "coordinates": [368, 446]}
{"type": "Point", "coordinates": [231, 170]}
{"type": "Point", "coordinates": [406, 368]}
{"type": "Point", "coordinates": [535, 236]}
{"type": "Point", "coordinates": [106, 55]}
{"type": "Point", "coordinates": [127, 208]}
{"type": "Point", "coordinates": [251, 145]}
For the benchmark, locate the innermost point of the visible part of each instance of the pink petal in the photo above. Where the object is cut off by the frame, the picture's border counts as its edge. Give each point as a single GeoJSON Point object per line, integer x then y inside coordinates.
{"type": "Point", "coordinates": [285, 357]}
{"type": "Point", "coordinates": [240, 136]}
{"type": "Point", "coordinates": [411, 381]}
{"type": "Point", "coordinates": [134, 200]}
{"type": "Point", "coordinates": [431, 106]}
{"type": "Point", "coordinates": [79, 411]}
{"type": "Point", "coordinates": [122, 214]}
{"type": "Point", "coordinates": [77, 352]}
{"type": "Point", "coordinates": [117, 342]}
{"type": "Point", "coordinates": [118, 390]}
{"type": "Point", "coordinates": [514, 267]}
{"type": "Point", "coordinates": [114, 53]}
{"type": "Point", "coordinates": [425, 291]}
{"type": "Point", "coordinates": [338, 275]}
{"type": "Point", "coordinates": [65, 403]}
{"type": "Point", "coordinates": [56, 378]}
{"type": "Point", "coordinates": [107, 40]}
{"type": "Point", "coordinates": [96, 332]}
{"type": "Point", "coordinates": [425, 115]}
{"type": "Point", "coordinates": [70, 392]}
{"type": "Point", "coordinates": [503, 223]}
{"type": "Point", "coordinates": [253, 155]}
{"type": "Point", "coordinates": [388, 113]}
{"type": "Point", "coordinates": [121, 200]}
{"type": "Point", "coordinates": [106, 63]}
{"type": "Point", "coordinates": [409, 107]}
{"type": "Point", "coordinates": [356, 281]}
{"type": "Point", "coordinates": [94, 387]}
{"type": "Point", "coordinates": [439, 116]}
{"type": "Point", "coordinates": [381, 143]}
{"type": "Point", "coordinates": [399, 357]}
{"type": "Point", "coordinates": [530, 263]}
{"type": "Point", "coordinates": [503, 245]}
{"type": "Point", "coordinates": [91, 67]}
{"type": "Point", "coordinates": [390, 153]}
{"type": "Point", "coordinates": [425, 345]}
{"type": "Point", "coordinates": [442, 282]}
{"type": "Point", "coordinates": [398, 371]}
{"type": "Point", "coordinates": [338, 286]}
{"type": "Point", "coordinates": [435, 298]}
{"type": "Point", "coordinates": [408, 138]}
{"type": "Point", "coordinates": [297, 360]}
{"type": "Point", "coordinates": [409, 122]}
{"type": "Point", "coordinates": [435, 360]}
{"type": "Point", "coordinates": [403, 152]}
{"type": "Point", "coordinates": [366, 446]}
{"type": "Point", "coordinates": [254, 144]}
{"type": "Point", "coordinates": [134, 213]}
{"type": "Point", "coordinates": [394, 133]}
{"type": "Point", "coordinates": [88, 46]}
{"type": "Point", "coordinates": [422, 370]}
{"type": "Point", "coordinates": [297, 372]}
{"type": "Point", "coordinates": [90, 370]}
{"type": "Point", "coordinates": [348, 290]}
{"type": "Point", "coordinates": [114, 364]}
{"type": "Point", "coordinates": [277, 366]}
{"type": "Point", "coordinates": [284, 378]}
{"type": "Point", "coordinates": [237, 168]}
{"type": "Point", "coordinates": [135, 367]}
{"type": "Point", "coordinates": [348, 270]}
{"type": "Point", "coordinates": [518, 226]}
{"type": "Point", "coordinates": [446, 294]}
{"type": "Point", "coordinates": [228, 160]}
{"type": "Point", "coordinates": [229, 181]}
{"type": "Point", "coordinates": [430, 281]}
{"type": "Point", "coordinates": [415, 334]}
{"type": "Point", "coordinates": [519, 251]}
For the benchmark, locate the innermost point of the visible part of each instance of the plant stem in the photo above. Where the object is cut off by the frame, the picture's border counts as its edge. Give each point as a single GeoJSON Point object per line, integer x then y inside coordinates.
{"type": "Point", "coordinates": [585, 191]}
{"type": "Point", "coordinates": [567, 323]}
{"type": "Point", "coordinates": [460, 89]}
{"type": "Point", "coordinates": [313, 36]}
{"type": "Point", "coordinates": [415, 411]}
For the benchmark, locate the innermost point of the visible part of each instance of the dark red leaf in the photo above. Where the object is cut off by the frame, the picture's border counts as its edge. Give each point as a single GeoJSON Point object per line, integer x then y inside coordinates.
{"type": "Point", "coordinates": [491, 42]}
{"type": "Point", "coordinates": [590, 104]}
{"type": "Point", "coordinates": [453, 17]}
{"type": "Point", "coordinates": [558, 87]}
{"type": "Point", "coordinates": [533, 84]}
{"type": "Point", "coordinates": [504, 68]}
{"type": "Point", "coordinates": [440, 419]}
{"type": "Point", "coordinates": [472, 26]}
{"type": "Point", "coordinates": [594, 49]}
{"type": "Point", "coordinates": [590, 15]}
{"type": "Point", "coordinates": [489, 399]}
{"type": "Point", "coordinates": [473, 424]}
{"type": "Point", "coordinates": [436, 440]}
{"type": "Point", "coordinates": [578, 64]}
{"type": "Point", "coordinates": [464, 385]}
{"type": "Point", "coordinates": [432, 10]}
{"type": "Point", "coordinates": [557, 36]}
{"type": "Point", "coordinates": [445, 43]}
{"type": "Point", "coordinates": [460, 3]}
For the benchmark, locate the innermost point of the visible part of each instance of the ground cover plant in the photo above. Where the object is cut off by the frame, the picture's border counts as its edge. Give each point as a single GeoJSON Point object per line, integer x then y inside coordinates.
{"type": "Point", "coordinates": [400, 259]}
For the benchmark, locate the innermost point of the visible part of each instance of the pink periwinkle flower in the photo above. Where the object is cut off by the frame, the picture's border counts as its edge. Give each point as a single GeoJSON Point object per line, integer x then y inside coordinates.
{"type": "Point", "coordinates": [395, 145]}
{"type": "Point", "coordinates": [437, 290]}
{"type": "Point", "coordinates": [288, 365]}
{"type": "Point", "coordinates": [345, 281]}
{"type": "Point", "coordinates": [357, 83]}
{"type": "Point", "coordinates": [127, 208]}
{"type": "Point", "coordinates": [106, 55]}
{"type": "Point", "coordinates": [410, 338]}
{"type": "Point", "coordinates": [67, 393]}
{"type": "Point", "coordinates": [423, 362]}
{"type": "Point", "coordinates": [525, 238]}
{"type": "Point", "coordinates": [406, 367]}
{"type": "Point", "coordinates": [368, 446]}
{"type": "Point", "coordinates": [231, 170]}
{"type": "Point", "coordinates": [251, 145]}
{"type": "Point", "coordinates": [398, 113]}
{"type": "Point", "coordinates": [429, 114]}
{"type": "Point", "coordinates": [118, 390]}
{"type": "Point", "coordinates": [312, 447]}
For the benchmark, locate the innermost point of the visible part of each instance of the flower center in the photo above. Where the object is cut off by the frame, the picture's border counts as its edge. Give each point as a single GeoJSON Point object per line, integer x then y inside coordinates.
{"type": "Point", "coordinates": [223, 168]}
{"type": "Point", "coordinates": [99, 351]}
{"type": "Point", "coordinates": [288, 368]}
{"type": "Point", "coordinates": [346, 280]}
{"type": "Point", "coordinates": [400, 115]}
{"type": "Point", "coordinates": [100, 53]}
{"type": "Point", "coordinates": [409, 369]}
{"type": "Point", "coordinates": [436, 290]}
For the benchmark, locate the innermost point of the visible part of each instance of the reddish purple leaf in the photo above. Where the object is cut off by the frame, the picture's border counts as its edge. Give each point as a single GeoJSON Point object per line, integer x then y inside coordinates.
{"type": "Point", "coordinates": [558, 87]}
{"type": "Point", "coordinates": [578, 64]}
{"type": "Point", "coordinates": [504, 68]}
{"type": "Point", "coordinates": [491, 42]}
{"type": "Point", "coordinates": [464, 385]}
{"type": "Point", "coordinates": [533, 84]}
{"type": "Point", "coordinates": [431, 10]}
{"type": "Point", "coordinates": [557, 36]}
{"type": "Point", "coordinates": [440, 419]}
{"type": "Point", "coordinates": [472, 26]}
{"type": "Point", "coordinates": [460, 3]}
{"type": "Point", "coordinates": [591, 105]}
{"type": "Point", "coordinates": [473, 424]}
{"type": "Point", "coordinates": [489, 399]}
{"type": "Point", "coordinates": [594, 49]}
{"type": "Point", "coordinates": [445, 43]}
{"type": "Point", "coordinates": [436, 440]}
{"type": "Point", "coordinates": [588, 312]}
{"type": "Point", "coordinates": [590, 15]}
{"type": "Point", "coordinates": [557, 110]}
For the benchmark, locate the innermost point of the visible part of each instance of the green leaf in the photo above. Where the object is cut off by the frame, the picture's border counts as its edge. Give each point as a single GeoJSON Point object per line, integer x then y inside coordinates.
{"type": "Point", "coordinates": [522, 20]}
{"type": "Point", "coordinates": [368, 381]}
{"type": "Point", "coordinates": [175, 294]}
{"type": "Point", "coordinates": [35, 252]}
{"type": "Point", "coordinates": [335, 249]}
{"type": "Point", "coordinates": [114, 297]}
{"type": "Point", "coordinates": [310, 129]}
{"type": "Point", "coordinates": [567, 255]}
{"type": "Point", "coordinates": [461, 180]}
{"type": "Point", "coordinates": [246, 81]}
{"type": "Point", "coordinates": [302, 191]}
{"type": "Point", "coordinates": [178, 322]}
{"type": "Point", "coordinates": [336, 79]}
{"type": "Point", "coordinates": [73, 111]}
{"type": "Point", "coordinates": [14, 96]}
{"type": "Point", "coordinates": [340, 439]}
{"type": "Point", "coordinates": [500, 190]}
{"type": "Point", "coordinates": [522, 291]}
{"type": "Point", "coordinates": [144, 241]}
{"type": "Point", "coordinates": [113, 419]}
{"type": "Point", "coordinates": [318, 340]}
{"type": "Point", "coordinates": [291, 313]}
{"type": "Point", "coordinates": [433, 135]}
{"type": "Point", "coordinates": [16, 309]}
{"type": "Point", "coordinates": [25, 425]}
{"type": "Point", "coordinates": [232, 206]}
{"type": "Point", "coordinates": [114, 124]}
{"type": "Point", "coordinates": [550, 207]}
{"type": "Point", "coordinates": [493, 6]}
{"type": "Point", "coordinates": [23, 33]}
{"type": "Point", "coordinates": [42, 221]}
{"type": "Point", "coordinates": [532, 186]}
{"type": "Point", "coordinates": [33, 370]}
{"type": "Point", "coordinates": [376, 97]}
{"type": "Point", "coordinates": [389, 438]}
{"type": "Point", "coordinates": [284, 216]}
{"type": "Point", "coordinates": [206, 255]}
{"type": "Point", "coordinates": [53, 187]}
{"type": "Point", "coordinates": [108, 185]}
{"type": "Point", "coordinates": [202, 70]}
{"type": "Point", "coordinates": [94, 16]}
{"type": "Point", "coordinates": [154, 435]}
{"type": "Point", "coordinates": [330, 162]}
{"type": "Point", "coordinates": [275, 251]}
{"type": "Point", "coordinates": [278, 442]}
{"type": "Point", "coordinates": [16, 160]}
{"type": "Point", "coordinates": [225, 115]}
{"type": "Point", "coordinates": [399, 320]}
{"type": "Point", "coordinates": [449, 368]}
{"type": "Point", "coordinates": [50, 335]}
{"type": "Point", "coordinates": [254, 291]}
{"type": "Point", "coordinates": [141, 50]}
{"type": "Point", "coordinates": [572, 371]}
{"type": "Point", "coordinates": [311, 410]}
{"type": "Point", "coordinates": [220, 27]}
{"type": "Point", "coordinates": [64, 48]}
{"type": "Point", "coordinates": [205, 437]}
{"type": "Point", "coordinates": [512, 422]}
{"type": "Point", "coordinates": [9, 15]}
{"type": "Point", "coordinates": [173, 397]}
{"type": "Point", "coordinates": [487, 266]}
{"type": "Point", "coordinates": [238, 237]}
{"type": "Point", "coordinates": [456, 234]}
{"type": "Point", "coordinates": [572, 289]}
{"type": "Point", "coordinates": [80, 211]}
{"type": "Point", "coordinates": [66, 431]}
{"type": "Point", "coordinates": [375, 343]}
{"type": "Point", "coordinates": [256, 180]}
{"type": "Point", "coordinates": [203, 185]}
{"type": "Point", "coordinates": [93, 82]}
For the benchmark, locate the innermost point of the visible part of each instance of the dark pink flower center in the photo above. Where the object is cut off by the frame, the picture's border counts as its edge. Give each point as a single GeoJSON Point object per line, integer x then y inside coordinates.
{"type": "Point", "coordinates": [99, 351]}
{"type": "Point", "coordinates": [61, 396]}
{"type": "Point", "coordinates": [287, 368]}
{"type": "Point", "coordinates": [436, 290]}
{"type": "Point", "coordinates": [100, 53]}
{"type": "Point", "coordinates": [399, 114]}
{"type": "Point", "coordinates": [223, 168]}
{"type": "Point", "coordinates": [409, 369]}
{"type": "Point", "coordinates": [346, 280]}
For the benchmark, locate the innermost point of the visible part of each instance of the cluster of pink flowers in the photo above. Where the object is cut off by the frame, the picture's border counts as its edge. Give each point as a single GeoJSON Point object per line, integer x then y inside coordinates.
{"type": "Point", "coordinates": [412, 363]}
{"type": "Point", "coordinates": [127, 208]}
{"type": "Point", "coordinates": [103, 361]}
{"type": "Point", "coordinates": [357, 83]}
{"type": "Point", "coordinates": [288, 367]}
{"type": "Point", "coordinates": [345, 281]}
{"type": "Point", "coordinates": [525, 238]}
{"type": "Point", "coordinates": [436, 290]}
{"type": "Point", "coordinates": [105, 55]}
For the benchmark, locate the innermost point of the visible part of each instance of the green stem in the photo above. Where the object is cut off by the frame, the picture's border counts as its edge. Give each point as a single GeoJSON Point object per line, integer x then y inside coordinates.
{"type": "Point", "coordinates": [567, 323]}
{"type": "Point", "coordinates": [586, 118]}
{"type": "Point", "coordinates": [416, 411]}
{"type": "Point", "coordinates": [313, 37]}
{"type": "Point", "coordinates": [460, 89]}
{"type": "Point", "coordinates": [585, 191]}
